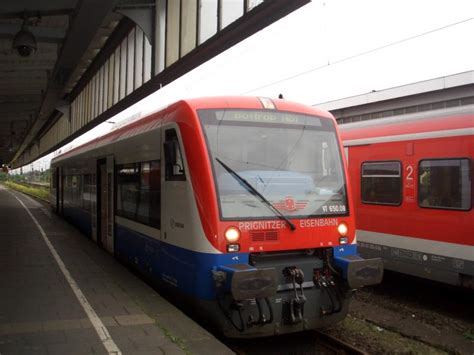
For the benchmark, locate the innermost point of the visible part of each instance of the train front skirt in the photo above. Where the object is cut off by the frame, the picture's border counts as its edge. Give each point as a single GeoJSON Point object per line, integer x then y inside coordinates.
{"type": "Point", "coordinates": [279, 293]}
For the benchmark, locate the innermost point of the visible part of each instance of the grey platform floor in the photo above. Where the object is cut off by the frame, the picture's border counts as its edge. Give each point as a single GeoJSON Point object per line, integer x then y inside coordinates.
{"type": "Point", "coordinates": [40, 313]}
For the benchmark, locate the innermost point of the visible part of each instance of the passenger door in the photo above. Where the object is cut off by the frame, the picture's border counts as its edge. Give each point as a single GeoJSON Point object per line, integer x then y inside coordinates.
{"type": "Point", "coordinates": [105, 203]}
{"type": "Point", "coordinates": [175, 221]}
{"type": "Point", "coordinates": [60, 195]}
{"type": "Point", "coordinates": [174, 192]}
{"type": "Point", "coordinates": [55, 189]}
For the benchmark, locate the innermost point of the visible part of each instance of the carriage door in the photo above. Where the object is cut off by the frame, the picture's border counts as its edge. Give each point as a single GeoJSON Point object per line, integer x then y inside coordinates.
{"type": "Point", "coordinates": [59, 191]}
{"type": "Point", "coordinates": [173, 191]}
{"type": "Point", "coordinates": [105, 204]}
{"type": "Point", "coordinates": [56, 189]}
{"type": "Point", "coordinates": [56, 192]}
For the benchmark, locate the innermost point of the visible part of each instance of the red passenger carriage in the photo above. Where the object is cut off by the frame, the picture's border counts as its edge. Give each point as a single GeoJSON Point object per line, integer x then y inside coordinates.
{"type": "Point", "coordinates": [412, 186]}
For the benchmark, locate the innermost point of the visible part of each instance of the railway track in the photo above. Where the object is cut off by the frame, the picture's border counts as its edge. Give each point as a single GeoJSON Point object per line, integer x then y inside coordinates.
{"type": "Point", "coordinates": [308, 342]}
{"type": "Point", "coordinates": [337, 345]}
{"type": "Point", "coordinates": [43, 185]}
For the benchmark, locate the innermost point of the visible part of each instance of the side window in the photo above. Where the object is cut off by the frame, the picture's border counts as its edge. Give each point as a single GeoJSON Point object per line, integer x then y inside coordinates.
{"type": "Point", "coordinates": [139, 192]}
{"type": "Point", "coordinates": [381, 183]}
{"type": "Point", "coordinates": [174, 166]}
{"type": "Point", "coordinates": [128, 183]}
{"type": "Point", "coordinates": [87, 192]}
{"type": "Point", "coordinates": [149, 194]}
{"type": "Point", "coordinates": [445, 184]}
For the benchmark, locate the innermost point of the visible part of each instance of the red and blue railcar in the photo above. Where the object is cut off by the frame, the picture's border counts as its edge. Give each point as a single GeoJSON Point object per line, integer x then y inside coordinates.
{"type": "Point", "coordinates": [239, 204]}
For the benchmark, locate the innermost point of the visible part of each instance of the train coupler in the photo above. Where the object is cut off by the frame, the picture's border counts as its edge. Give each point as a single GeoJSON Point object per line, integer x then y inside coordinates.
{"type": "Point", "coordinates": [296, 303]}
{"type": "Point", "coordinates": [323, 279]}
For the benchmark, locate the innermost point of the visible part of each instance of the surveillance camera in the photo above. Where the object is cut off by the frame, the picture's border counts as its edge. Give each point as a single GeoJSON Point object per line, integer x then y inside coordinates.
{"type": "Point", "coordinates": [24, 43]}
{"type": "Point", "coordinates": [25, 51]}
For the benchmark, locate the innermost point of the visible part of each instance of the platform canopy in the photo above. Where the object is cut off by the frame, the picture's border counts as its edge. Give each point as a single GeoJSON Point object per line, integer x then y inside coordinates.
{"type": "Point", "coordinates": [68, 65]}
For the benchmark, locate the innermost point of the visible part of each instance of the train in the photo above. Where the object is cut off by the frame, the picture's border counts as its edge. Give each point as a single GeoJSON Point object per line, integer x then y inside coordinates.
{"type": "Point", "coordinates": [411, 177]}
{"type": "Point", "coordinates": [238, 205]}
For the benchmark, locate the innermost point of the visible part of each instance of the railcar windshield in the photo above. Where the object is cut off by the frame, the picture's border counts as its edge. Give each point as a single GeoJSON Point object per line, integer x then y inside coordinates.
{"type": "Point", "coordinates": [292, 160]}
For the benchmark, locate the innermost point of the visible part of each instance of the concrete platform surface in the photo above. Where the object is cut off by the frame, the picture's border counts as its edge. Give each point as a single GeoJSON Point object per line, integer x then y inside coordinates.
{"type": "Point", "coordinates": [61, 294]}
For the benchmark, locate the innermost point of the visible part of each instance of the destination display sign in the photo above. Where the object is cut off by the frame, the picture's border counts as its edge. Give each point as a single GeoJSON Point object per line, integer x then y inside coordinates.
{"type": "Point", "coordinates": [274, 117]}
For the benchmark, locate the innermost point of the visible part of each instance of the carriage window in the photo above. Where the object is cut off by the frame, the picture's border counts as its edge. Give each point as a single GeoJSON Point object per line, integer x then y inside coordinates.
{"type": "Point", "coordinates": [87, 191]}
{"type": "Point", "coordinates": [381, 183]}
{"type": "Point", "coordinates": [149, 194]}
{"type": "Point", "coordinates": [174, 165]}
{"type": "Point", "coordinates": [138, 192]}
{"type": "Point", "coordinates": [128, 183]}
{"type": "Point", "coordinates": [445, 184]}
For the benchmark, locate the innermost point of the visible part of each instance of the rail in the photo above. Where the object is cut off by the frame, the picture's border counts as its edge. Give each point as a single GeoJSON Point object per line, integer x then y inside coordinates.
{"type": "Point", "coordinates": [337, 345]}
{"type": "Point", "coordinates": [43, 185]}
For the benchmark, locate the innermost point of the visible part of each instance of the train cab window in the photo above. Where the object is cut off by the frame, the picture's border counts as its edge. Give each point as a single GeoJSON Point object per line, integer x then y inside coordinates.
{"type": "Point", "coordinates": [445, 184]}
{"type": "Point", "coordinates": [174, 165]}
{"type": "Point", "coordinates": [381, 183]}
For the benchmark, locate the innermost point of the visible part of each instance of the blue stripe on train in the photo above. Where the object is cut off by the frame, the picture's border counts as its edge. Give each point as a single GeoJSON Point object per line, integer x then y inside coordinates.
{"type": "Point", "coordinates": [345, 250]}
{"type": "Point", "coordinates": [188, 270]}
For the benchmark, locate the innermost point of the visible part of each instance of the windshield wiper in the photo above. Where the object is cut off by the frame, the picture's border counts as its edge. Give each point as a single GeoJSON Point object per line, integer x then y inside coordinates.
{"type": "Point", "coordinates": [255, 192]}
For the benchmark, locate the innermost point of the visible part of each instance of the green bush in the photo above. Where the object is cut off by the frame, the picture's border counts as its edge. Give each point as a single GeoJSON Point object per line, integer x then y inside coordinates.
{"type": "Point", "coordinates": [33, 191]}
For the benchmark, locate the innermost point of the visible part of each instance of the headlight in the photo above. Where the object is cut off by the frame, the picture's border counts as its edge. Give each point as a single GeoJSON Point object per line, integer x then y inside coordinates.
{"type": "Point", "coordinates": [342, 229]}
{"type": "Point", "coordinates": [232, 234]}
{"type": "Point", "coordinates": [233, 248]}
{"type": "Point", "coordinates": [343, 240]}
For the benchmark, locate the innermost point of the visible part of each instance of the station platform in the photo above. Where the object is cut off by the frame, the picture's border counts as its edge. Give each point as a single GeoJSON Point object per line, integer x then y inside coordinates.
{"type": "Point", "coordinates": [61, 294]}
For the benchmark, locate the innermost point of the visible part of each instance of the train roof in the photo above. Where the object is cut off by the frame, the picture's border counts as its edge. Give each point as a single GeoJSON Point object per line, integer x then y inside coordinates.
{"type": "Point", "coordinates": [452, 121]}
{"type": "Point", "coordinates": [151, 120]}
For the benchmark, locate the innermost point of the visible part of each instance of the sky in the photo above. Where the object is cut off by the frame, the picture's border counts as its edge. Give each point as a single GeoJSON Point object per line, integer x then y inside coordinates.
{"type": "Point", "coordinates": [328, 50]}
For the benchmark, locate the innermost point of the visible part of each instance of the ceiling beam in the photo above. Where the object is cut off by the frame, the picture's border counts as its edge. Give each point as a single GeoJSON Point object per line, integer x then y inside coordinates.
{"type": "Point", "coordinates": [21, 99]}
{"type": "Point", "coordinates": [42, 34]}
{"type": "Point", "coordinates": [18, 8]}
{"type": "Point", "coordinates": [29, 67]}
{"type": "Point", "coordinates": [15, 106]}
